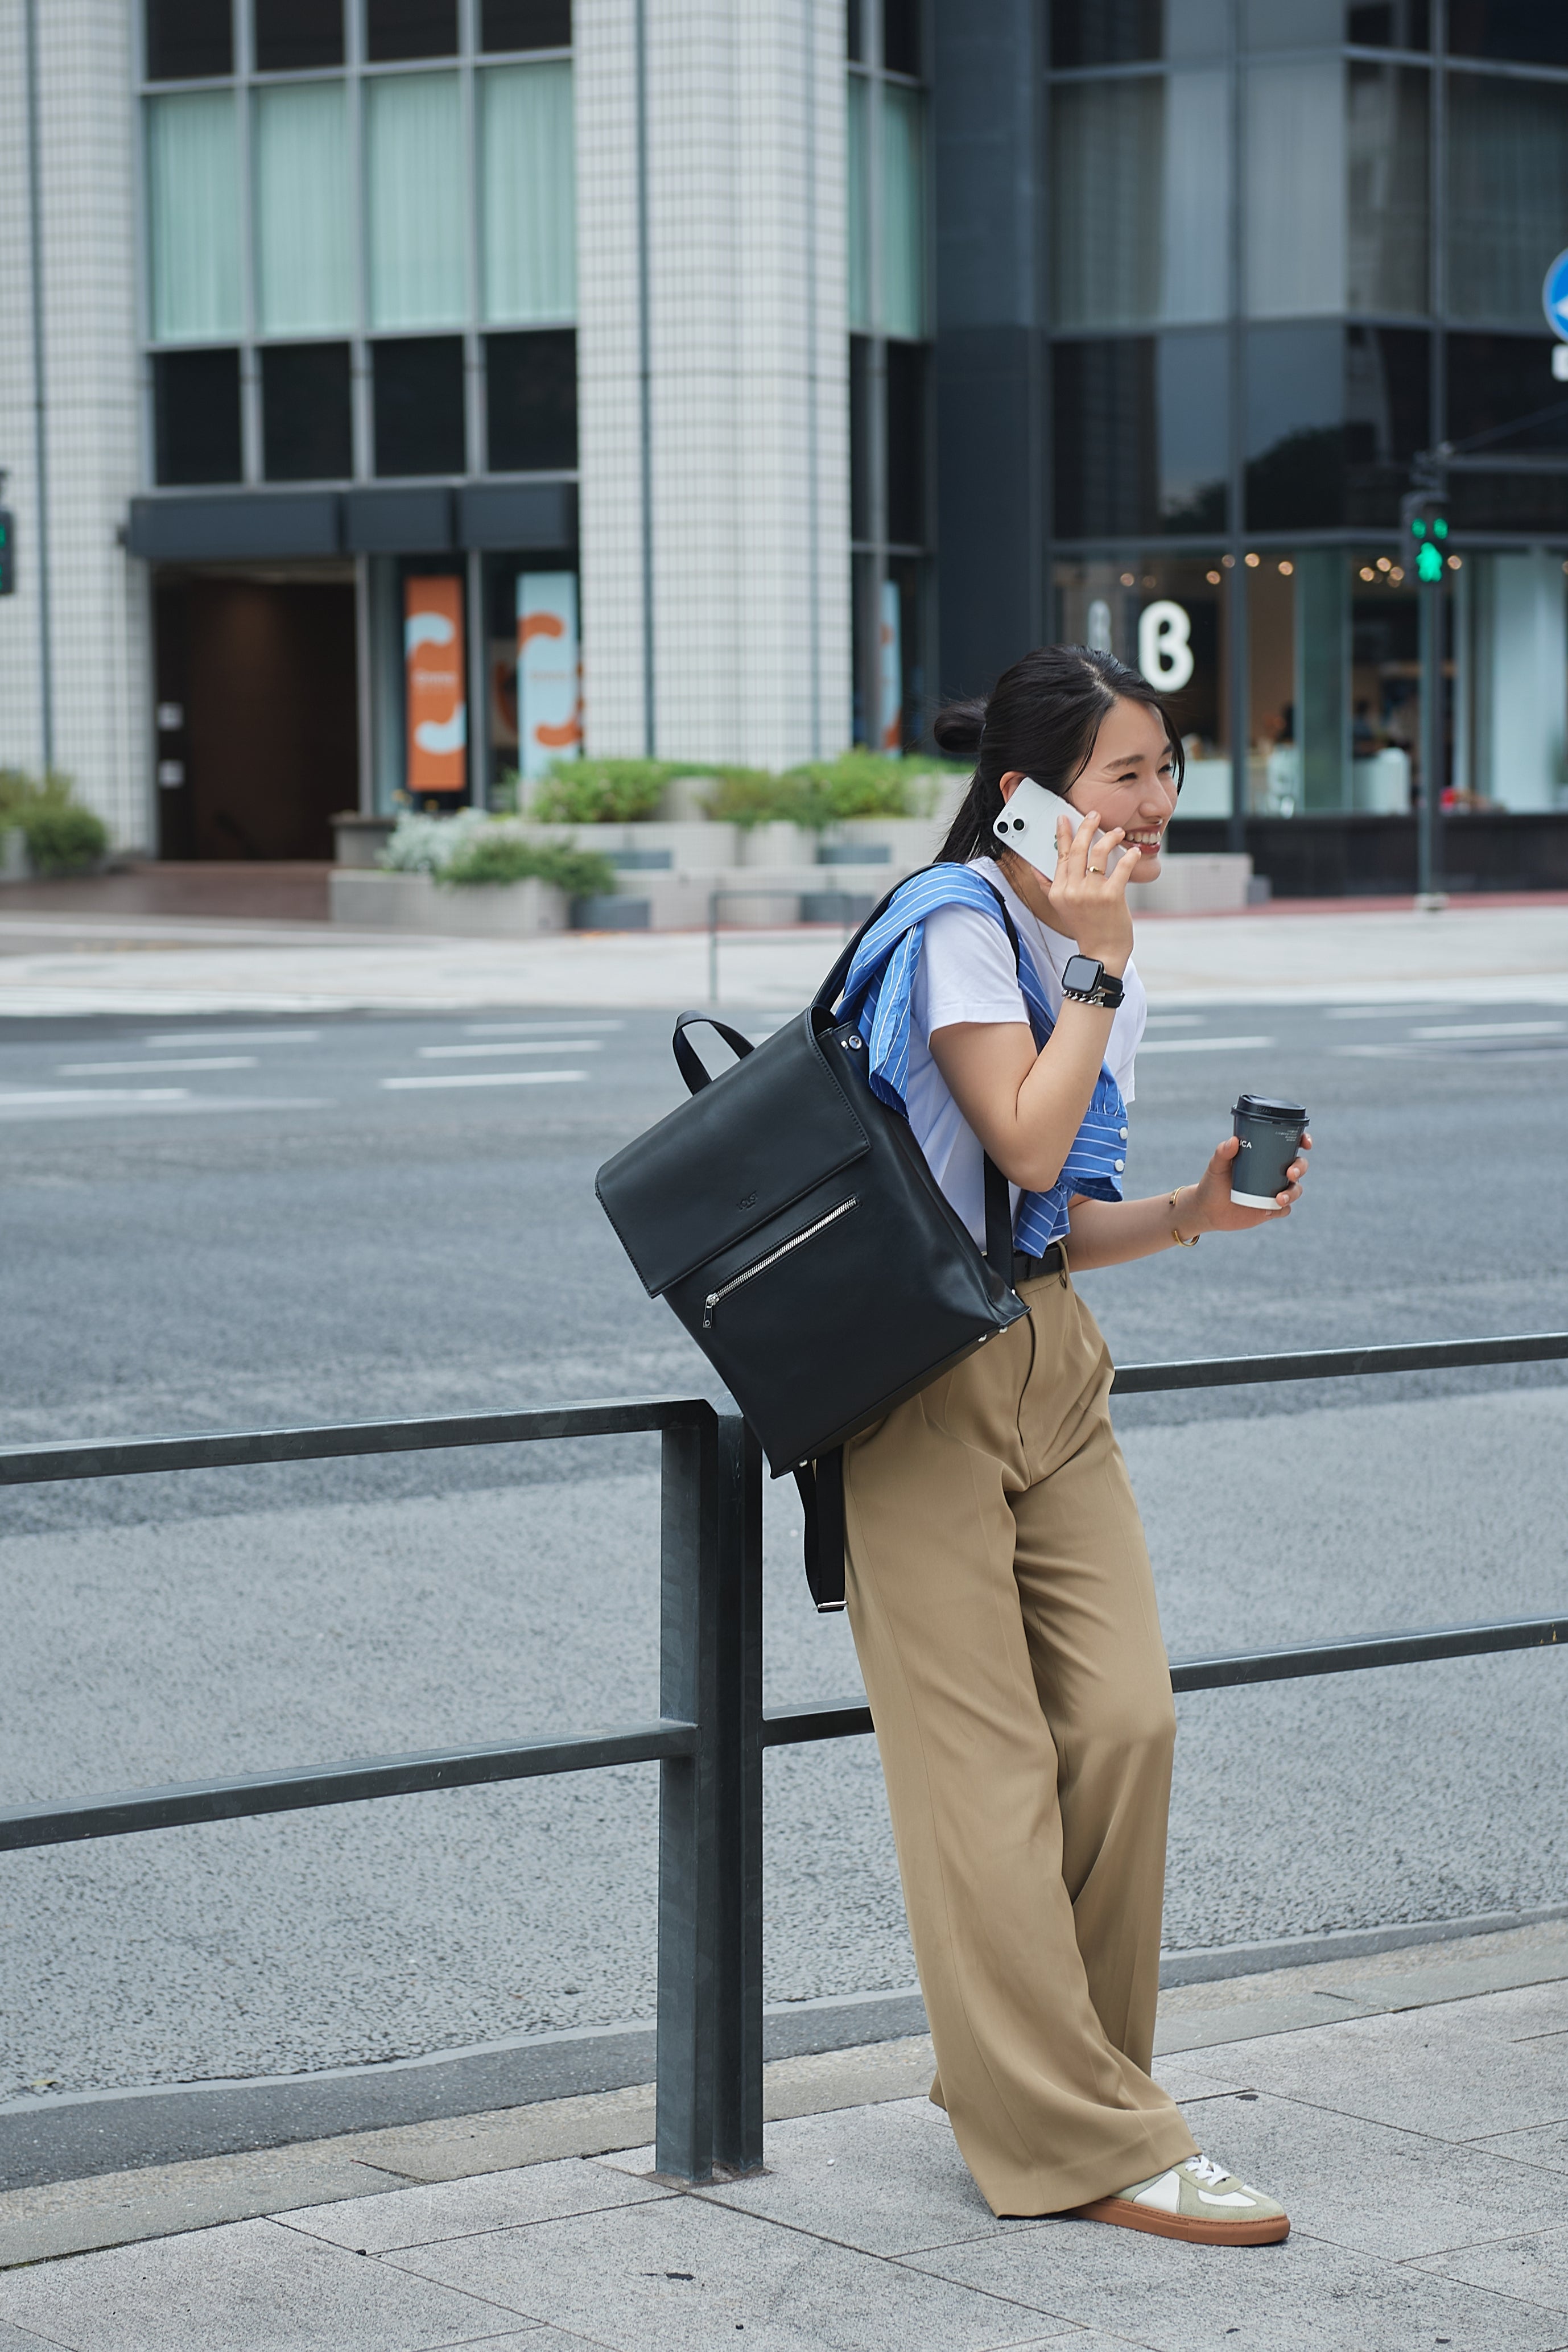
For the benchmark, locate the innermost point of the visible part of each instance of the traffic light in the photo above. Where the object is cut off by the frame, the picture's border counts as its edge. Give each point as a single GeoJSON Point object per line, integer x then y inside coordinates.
{"type": "Point", "coordinates": [1426, 526]}
{"type": "Point", "coordinates": [7, 552]}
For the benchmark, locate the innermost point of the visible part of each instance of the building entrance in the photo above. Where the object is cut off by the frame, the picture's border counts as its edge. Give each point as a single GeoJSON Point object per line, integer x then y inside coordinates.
{"type": "Point", "coordinates": [258, 713]}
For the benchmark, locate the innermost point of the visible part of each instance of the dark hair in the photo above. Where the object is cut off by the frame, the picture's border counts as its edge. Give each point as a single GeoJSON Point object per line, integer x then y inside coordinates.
{"type": "Point", "coordinates": [1041, 717]}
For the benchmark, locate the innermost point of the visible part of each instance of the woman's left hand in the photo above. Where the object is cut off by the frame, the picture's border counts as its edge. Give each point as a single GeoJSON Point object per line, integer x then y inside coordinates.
{"type": "Point", "coordinates": [1216, 1213]}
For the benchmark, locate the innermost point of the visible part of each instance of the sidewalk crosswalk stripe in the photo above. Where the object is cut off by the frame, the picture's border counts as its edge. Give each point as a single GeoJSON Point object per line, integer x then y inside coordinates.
{"type": "Point", "coordinates": [517, 1045]}
{"type": "Point", "coordinates": [1199, 1045]}
{"type": "Point", "coordinates": [112, 1069]}
{"type": "Point", "coordinates": [487, 1078]}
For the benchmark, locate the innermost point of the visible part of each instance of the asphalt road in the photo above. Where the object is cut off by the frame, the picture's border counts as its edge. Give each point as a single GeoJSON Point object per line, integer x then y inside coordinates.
{"type": "Point", "coordinates": [217, 1223]}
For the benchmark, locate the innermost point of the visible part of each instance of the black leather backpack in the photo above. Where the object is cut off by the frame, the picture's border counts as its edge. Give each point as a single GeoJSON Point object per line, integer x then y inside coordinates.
{"type": "Point", "coordinates": [789, 1218]}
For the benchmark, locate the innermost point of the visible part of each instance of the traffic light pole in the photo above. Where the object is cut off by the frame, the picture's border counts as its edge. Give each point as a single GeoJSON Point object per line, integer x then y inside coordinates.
{"type": "Point", "coordinates": [1429, 815]}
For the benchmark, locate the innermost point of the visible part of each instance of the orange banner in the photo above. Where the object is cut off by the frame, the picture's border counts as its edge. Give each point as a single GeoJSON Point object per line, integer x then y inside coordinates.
{"type": "Point", "coordinates": [433, 660]}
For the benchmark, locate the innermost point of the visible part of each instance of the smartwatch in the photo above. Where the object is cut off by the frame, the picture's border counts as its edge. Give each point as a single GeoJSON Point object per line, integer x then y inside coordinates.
{"type": "Point", "coordinates": [1086, 981]}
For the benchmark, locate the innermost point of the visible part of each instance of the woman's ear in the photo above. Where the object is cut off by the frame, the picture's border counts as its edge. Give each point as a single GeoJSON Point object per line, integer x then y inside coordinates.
{"type": "Point", "coordinates": [1011, 781]}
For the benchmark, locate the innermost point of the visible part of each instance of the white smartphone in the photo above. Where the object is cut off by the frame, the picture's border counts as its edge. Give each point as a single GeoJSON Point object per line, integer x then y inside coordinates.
{"type": "Point", "coordinates": [1028, 825]}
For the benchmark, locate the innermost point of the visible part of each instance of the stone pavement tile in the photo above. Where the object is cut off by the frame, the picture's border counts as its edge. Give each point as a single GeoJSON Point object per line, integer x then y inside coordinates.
{"type": "Point", "coordinates": [13, 2340]}
{"type": "Point", "coordinates": [1173, 2298]}
{"type": "Point", "coordinates": [1447, 2072]}
{"type": "Point", "coordinates": [463, 2209]}
{"type": "Point", "coordinates": [688, 2275]}
{"type": "Point", "coordinates": [1547, 2148]}
{"type": "Point", "coordinates": [1533, 2266]}
{"type": "Point", "coordinates": [248, 2286]}
{"type": "Point", "coordinates": [887, 2179]}
{"type": "Point", "coordinates": [1392, 2193]}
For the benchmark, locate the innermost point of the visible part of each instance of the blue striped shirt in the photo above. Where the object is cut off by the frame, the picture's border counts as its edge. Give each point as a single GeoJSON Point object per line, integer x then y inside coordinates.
{"type": "Point", "coordinates": [879, 996]}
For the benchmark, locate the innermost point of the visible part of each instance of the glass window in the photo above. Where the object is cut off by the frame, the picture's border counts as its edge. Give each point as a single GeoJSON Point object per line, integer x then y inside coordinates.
{"type": "Point", "coordinates": [1536, 32]}
{"type": "Point", "coordinates": [193, 195]}
{"type": "Point", "coordinates": [529, 204]}
{"type": "Point", "coordinates": [1295, 189]}
{"type": "Point", "coordinates": [854, 31]}
{"type": "Point", "coordinates": [413, 194]}
{"type": "Point", "coordinates": [418, 404]}
{"type": "Point", "coordinates": [304, 209]}
{"type": "Point", "coordinates": [1124, 32]}
{"type": "Point", "coordinates": [1496, 381]}
{"type": "Point", "coordinates": [903, 210]}
{"type": "Point", "coordinates": [901, 36]}
{"type": "Point", "coordinates": [1389, 24]}
{"type": "Point", "coordinates": [906, 444]}
{"type": "Point", "coordinates": [292, 36]}
{"type": "Point", "coordinates": [860, 382]}
{"type": "Point", "coordinates": [1100, 601]}
{"type": "Point", "coordinates": [1140, 195]}
{"type": "Point", "coordinates": [410, 28]}
{"type": "Point", "coordinates": [1510, 627]}
{"type": "Point", "coordinates": [306, 429]}
{"type": "Point", "coordinates": [526, 24]}
{"type": "Point", "coordinates": [1508, 194]}
{"type": "Point", "coordinates": [531, 401]}
{"type": "Point", "coordinates": [859, 197]}
{"type": "Point", "coordinates": [1140, 435]}
{"type": "Point", "coordinates": [1291, 24]}
{"type": "Point", "coordinates": [1388, 198]}
{"type": "Point", "coordinates": [195, 408]}
{"type": "Point", "coordinates": [188, 38]}
{"type": "Point", "coordinates": [1333, 416]}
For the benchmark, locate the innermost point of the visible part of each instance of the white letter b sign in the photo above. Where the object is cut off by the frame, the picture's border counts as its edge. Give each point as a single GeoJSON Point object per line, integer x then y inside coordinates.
{"type": "Point", "coordinates": [1164, 645]}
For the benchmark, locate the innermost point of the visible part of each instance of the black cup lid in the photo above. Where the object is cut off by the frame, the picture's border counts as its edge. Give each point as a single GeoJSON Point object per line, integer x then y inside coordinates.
{"type": "Point", "coordinates": [1286, 1114]}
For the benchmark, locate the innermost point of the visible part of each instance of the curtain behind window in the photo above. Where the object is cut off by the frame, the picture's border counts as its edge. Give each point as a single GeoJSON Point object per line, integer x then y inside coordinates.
{"type": "Point", "coordinates": [1141, 196]}
{"type": "Point", "coordinates": [527, 190]}
{"type": "Point", "coordinates": [1388, 202]}
{"type": "Point", "coordinates": [304, 210]}
{"type": "Point", "coordinates": [413, 200]}
{"type": "Point", "coordinates": [192, 196]}
{"type": "Point", "coordinates": [1295, 189]}
{"type": "Point", "coordinates": [1508, 195]}
{"type": "Point", "coordinates": [903, 210]}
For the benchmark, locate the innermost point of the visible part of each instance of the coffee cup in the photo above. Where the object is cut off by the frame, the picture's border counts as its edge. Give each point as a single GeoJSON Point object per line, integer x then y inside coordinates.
{"type": "Point", "coordinates": [1270, 1134]}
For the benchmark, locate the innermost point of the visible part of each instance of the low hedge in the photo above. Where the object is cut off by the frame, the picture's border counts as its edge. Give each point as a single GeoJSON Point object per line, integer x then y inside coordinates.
{"type": "Point", "coordinates": [503, 857]}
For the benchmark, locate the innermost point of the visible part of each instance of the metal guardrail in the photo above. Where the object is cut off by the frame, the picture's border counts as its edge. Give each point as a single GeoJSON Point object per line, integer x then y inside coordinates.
{"type": "Point", "coordinates": [712, 1728]}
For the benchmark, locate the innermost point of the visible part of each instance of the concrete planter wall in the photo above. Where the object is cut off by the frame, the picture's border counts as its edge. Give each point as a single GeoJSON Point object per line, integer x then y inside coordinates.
{"type": "Point", "coordinates": [1194, 886]}
{"type": "Point", "coordinates": [358, 841]}
{"type": "Point", "coordinates": [413, 902]}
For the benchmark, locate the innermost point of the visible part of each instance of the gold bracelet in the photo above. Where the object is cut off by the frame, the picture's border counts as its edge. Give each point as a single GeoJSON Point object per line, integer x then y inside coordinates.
{"type": "Point", "coordinates": [1175, 1234]}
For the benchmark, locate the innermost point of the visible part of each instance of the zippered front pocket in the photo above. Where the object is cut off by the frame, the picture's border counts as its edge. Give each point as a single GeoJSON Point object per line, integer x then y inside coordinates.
{"type": "Point", "coordinates": [780, 1249]}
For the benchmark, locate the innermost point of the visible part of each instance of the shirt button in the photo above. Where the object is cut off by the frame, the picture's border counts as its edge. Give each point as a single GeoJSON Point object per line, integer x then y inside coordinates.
{"type": "Point", "coordinates": [1119, 1165]}
{"type": "Point", "coordinates": [1123, 1133]}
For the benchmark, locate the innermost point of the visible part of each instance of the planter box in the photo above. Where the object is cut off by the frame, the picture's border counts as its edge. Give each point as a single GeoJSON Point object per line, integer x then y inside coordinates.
{"type": "Point", "coordinates": [15, 863]}
{"type": "Point", "coordinates": [1194, 885]}
{"type": "Point", "coordinates": [612, 914]}
{"type": "Point", "coordinates": [413, 902]}
{"type": "Point", "coordinates": [358, 841]}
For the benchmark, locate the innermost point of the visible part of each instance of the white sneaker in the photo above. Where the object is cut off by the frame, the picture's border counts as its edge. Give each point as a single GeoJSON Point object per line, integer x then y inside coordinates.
{"type": "Point", "coordinates": [1198, 2200]}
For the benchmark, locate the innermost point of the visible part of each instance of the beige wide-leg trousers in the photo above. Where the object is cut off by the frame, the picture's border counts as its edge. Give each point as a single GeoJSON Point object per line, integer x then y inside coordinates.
{"type": "Point", "coordinates": [1003, 1609]}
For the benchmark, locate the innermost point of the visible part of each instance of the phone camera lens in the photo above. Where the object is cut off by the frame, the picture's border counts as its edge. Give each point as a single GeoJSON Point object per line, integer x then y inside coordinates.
{"type": "Point", "coordinates": [1017, 824]}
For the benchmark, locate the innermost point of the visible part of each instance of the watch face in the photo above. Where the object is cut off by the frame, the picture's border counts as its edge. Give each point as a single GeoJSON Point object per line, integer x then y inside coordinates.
{"type": "Point", "coordinates": [1082, 972]}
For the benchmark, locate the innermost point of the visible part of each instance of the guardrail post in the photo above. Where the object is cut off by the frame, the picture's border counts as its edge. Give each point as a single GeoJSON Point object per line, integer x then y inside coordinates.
{"type": "Point", "coordinates": [689, 1859]}
{"type": "Point", "coordinates": [738, 1987]}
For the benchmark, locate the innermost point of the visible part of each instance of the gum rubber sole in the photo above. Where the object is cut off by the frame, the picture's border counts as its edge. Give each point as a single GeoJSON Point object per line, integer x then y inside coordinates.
{"type": "Point", "coordinates": [1124, 2214]}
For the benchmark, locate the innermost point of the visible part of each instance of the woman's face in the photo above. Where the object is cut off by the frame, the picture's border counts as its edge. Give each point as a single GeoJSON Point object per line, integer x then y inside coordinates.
{"type": "Point", "coordinates": [1130, 780]}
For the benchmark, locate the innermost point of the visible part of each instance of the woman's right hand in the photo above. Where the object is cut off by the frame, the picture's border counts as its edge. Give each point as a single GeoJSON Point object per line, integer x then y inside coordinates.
{"type": "Point", "coordinates": [1091, 902]}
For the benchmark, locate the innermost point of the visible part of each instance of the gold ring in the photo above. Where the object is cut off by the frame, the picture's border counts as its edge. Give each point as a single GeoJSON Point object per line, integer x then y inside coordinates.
{"type": "Point", "coordinates": [1097, 869]}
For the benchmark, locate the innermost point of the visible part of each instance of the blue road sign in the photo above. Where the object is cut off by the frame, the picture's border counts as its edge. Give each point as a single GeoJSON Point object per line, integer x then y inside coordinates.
{"type": "Point", "coordinates": [1555, 297]}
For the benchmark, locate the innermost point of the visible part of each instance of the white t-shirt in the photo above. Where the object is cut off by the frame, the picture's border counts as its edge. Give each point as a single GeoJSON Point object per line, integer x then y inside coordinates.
{"type": "Point", "coordinates": [967, 973]}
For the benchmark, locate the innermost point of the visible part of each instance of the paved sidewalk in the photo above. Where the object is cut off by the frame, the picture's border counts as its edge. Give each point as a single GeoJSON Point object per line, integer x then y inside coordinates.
{"type": "Point", "coordinates": [56, 963]}
{"type": "Point", "coordinates": [1420, 2139]}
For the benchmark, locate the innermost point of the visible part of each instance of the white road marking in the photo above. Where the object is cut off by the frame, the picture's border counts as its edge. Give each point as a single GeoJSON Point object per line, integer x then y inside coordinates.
{"type": "Point", "coordinates": [1201, 1045]}
{"type": "Point", "coordinates": [238, 1037]}
{"type": "Point", "coordinates": [489, 1079]}
{"type": "Point", "coordinates": [1177, 1020]}
{"type": "Point", "coordinates": [534, 1028]}
{"type": "Point", "coordinates": [1374, 1012]}
{"type": "Point", "coordinates": [94, 1094]}
{"type": "Point", "coordinates": [14, 1109]}
{"type": "Point", "coordinates": [1495, 1029]}
{"type": "Point", "coordinates": [520, 1046]}
{"type": "Point", "coordinates": [110, 1069]}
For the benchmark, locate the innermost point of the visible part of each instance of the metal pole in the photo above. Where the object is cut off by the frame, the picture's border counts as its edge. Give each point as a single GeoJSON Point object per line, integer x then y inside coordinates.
{"type": "Point", "coordinates": [738, 1984]}
{"type": "Point", "coordinates": [1430, 819]}
{"type": "Point", "coordinates": [40, 420]}
{"type": "Point", "coordinates": [688, 1850]}
{"type": "Point", "coordinates": [1239, 700]}
{"type": "Point", "coordinates": [645, 385]}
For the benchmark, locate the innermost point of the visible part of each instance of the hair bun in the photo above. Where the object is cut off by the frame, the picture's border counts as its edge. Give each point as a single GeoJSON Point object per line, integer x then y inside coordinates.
{"type": "Point", "coordinates": [958, 727]}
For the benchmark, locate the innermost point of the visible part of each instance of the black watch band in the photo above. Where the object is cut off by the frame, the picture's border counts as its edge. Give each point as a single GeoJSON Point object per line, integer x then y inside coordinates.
{"type": "Point", "coordinates": [1087, 981]}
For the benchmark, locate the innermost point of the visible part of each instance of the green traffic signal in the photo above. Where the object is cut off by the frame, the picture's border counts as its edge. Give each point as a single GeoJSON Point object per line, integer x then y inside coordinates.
{"type": "Point", "coordinates": [1428, 561]}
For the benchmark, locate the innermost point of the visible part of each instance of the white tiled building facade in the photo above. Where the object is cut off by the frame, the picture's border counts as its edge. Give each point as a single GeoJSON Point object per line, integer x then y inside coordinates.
{"type": "Point", "coordinates": [731, 287]}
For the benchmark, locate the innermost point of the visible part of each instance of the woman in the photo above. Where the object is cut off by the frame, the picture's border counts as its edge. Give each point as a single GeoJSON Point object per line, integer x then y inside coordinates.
{"type": "Point", "coordinates": [998, 1584]}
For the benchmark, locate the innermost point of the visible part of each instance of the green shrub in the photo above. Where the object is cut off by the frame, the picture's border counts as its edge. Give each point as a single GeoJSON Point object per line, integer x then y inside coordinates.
{"type": "Point", "coordinates": [62, 838]}
{"type": "Point", "coordinates": [603, 792]}
{"type": "Point", "coordinates": [748, 797]}
{"type": "Point", "coordinates": [500, 856]}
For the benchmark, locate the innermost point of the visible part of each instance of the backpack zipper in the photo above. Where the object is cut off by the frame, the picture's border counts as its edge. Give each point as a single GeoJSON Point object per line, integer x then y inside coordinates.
{"type": "Point", "coordinates": [761, 1264]}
